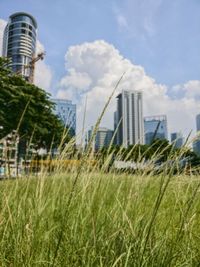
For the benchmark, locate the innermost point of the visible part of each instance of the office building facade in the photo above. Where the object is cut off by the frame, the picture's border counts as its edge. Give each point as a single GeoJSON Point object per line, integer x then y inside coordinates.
{"type": "Point", "coordinates": [102, 139]}
{"type": "Point", "coordinates": [177, 139]}
{"type": "Point", "coordinates": [19, 43]}
{"type": "Point", "coordinates": [155, 127]}
{"type": "Point", "coordinates": [129, 118]}
{"type": "Point", "coordinates": [66, 111]}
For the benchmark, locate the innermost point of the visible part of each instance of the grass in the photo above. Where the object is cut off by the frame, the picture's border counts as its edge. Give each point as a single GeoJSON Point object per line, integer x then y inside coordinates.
{"type": "Point", "coordinates": [86, 216]}
{"type": "Point", "coordinates": [112, 220]}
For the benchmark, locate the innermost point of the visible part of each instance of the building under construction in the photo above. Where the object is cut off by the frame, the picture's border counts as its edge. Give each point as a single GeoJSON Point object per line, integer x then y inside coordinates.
{"type": "Point", "coordinates": [9, 155]}
{"type": "Point", "coordinates": [19, 44]}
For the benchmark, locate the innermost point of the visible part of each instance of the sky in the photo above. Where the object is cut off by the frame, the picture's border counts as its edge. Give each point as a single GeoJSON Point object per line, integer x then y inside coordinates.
{"type": "Point", "coordinates": [89, 44]}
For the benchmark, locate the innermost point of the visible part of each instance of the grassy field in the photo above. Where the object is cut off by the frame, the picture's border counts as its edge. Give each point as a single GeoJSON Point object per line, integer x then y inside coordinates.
{"type": "Point", "coordinates": [105, 220]}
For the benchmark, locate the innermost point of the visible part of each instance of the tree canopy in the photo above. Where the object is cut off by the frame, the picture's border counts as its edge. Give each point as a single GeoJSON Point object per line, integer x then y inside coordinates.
{"type": "Point", "coordinates": [27, 108]}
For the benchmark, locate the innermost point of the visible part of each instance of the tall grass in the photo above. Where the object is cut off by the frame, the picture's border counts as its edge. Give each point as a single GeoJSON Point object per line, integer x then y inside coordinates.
{"type": "Point", "coordinates": [92, 215]}
{"type": "Point", "coordinates": [113, 220]}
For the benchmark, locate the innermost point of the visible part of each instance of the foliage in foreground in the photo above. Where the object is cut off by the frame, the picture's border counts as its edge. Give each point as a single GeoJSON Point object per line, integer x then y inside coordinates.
{"type": "Point", "coordinates": [112, 220]}
{"type": "Point", "coordinates": [27, 109]}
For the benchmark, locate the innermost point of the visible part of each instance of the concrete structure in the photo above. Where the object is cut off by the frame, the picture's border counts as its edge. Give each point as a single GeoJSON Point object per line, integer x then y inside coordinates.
{"type": "Point", "coordinates": [196, 143]}
{"type": "Point", "coordinates": [155, 127]}
{"type": "Point", "coordinates": [102, 139]}
{"type": "Point", "coordinates": [19, 42]}
{"type": "Point", "coordinates": [198, 122]}
{"type": "Point", "coordinates": [129, 118]}
{"type": "Point", "coordinates": [177, 140]}
{"type": "Point", "coordinates": [66, 111]}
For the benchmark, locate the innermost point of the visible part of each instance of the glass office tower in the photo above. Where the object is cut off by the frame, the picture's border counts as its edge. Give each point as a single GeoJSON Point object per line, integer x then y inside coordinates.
{"type": "Point", "coordinates": [102, 138]}
{"type": "Point", "coordinates": [66, 111]}
{"type": "Point", "coordinates": [19, 42]}
{"type": "Point", "coordinates": [155, 127]}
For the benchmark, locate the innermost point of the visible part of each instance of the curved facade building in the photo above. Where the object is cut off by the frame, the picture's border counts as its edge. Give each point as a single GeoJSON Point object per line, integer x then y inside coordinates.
{"type": "Point", "coordinates": [19, 42]}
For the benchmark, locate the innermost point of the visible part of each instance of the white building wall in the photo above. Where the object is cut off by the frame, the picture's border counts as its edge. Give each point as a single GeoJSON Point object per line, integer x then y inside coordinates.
{"type": "Point", "coordinates": [132, 125]}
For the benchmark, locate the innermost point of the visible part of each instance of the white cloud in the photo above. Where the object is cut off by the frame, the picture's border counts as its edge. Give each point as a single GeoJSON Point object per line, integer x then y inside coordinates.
{"type": "Point", "coordinates": [95, 68]}
{"type": "Point", "coordinates": [43, 72]}
{"type": "Point", "coordinates": [137, 17]}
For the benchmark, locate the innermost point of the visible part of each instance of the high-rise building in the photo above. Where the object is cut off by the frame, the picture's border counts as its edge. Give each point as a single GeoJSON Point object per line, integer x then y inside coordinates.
{"type": "Point", "coordinates": [196, 143]}
{"type": "Point", "coordinates": [177, 139]}
{"type": "Point", "coordinates": [19, 43]}
{"type": "Point", "coordinates": [198, 122]}
{"type": "Point", "coordinates": [66, 111]}
{"type": "Point", "coordinates": [102, 139]}
{"type": "Point", "coordinates": [155, 127]}
{"type": "Point", "coordinates": [129, 118]}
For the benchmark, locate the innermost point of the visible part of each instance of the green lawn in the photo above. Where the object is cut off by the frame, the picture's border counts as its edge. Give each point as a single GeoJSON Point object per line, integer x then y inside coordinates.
{"type": "Point", "coordinates": [108, 220]}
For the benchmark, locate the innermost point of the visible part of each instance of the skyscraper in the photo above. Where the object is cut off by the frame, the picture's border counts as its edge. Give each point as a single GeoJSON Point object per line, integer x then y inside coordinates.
{"type": "Point", "coordinates": [129, 118]}
{"type": "Point", "coordinates": [102, 139]}
{"type": "Point", "coordinates": [177, 140]}
{"type": "Point", "coordinates": [19, 43]}
{"type": "Point", "coordinates": [198, 122]}
{"type": "Point", "coordinates": [66, 111]}
{"type": "Point", "coordinates": [155, 127]}
{"type": "Point", "coordinates": [196, 143]}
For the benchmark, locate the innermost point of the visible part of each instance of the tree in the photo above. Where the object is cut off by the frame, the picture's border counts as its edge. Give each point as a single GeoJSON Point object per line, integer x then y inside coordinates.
{"type": "Point", "coordinates": [27, 108]}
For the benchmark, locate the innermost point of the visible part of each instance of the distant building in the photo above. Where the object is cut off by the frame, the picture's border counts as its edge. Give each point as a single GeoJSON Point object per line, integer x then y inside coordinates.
{"type": "Point", "coordinates": [129, 118]}
{"type": "Point", "coordinates": [102, 139]}
{"type": "Point", "coordinates": [19, 42]}
{"type": "Point", "coordinates": [115, 128]}
{"type": "Point", "coordinates": [177, 140]}
{"type": "Point", "coordinates": [196, 143]}
{"type": "Point", "coordinates": [66, 111]}
{"type": "Point", "coordinates": [155, 127]}
{"type": "Point", "coordinates": [196, 147]}
{"type": "Point", "coordinates": [198, 122]}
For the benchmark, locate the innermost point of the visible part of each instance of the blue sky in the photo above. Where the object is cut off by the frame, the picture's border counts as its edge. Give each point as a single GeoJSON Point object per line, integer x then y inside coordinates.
{"type": "Point", "coordinates": [161, 35]}
{"type": "Point", "coordinates": [156, 40]}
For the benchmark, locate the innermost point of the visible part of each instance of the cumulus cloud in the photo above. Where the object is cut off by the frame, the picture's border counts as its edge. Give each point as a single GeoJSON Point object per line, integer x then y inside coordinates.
{"type": "Point", "coordinates": [43, 72]}
{"type": "Point", "coordinates": [93, 70]}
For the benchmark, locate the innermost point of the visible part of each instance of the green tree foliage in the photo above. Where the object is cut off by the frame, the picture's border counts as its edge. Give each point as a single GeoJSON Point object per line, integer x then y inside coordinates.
{"type": "Point", "coordinates": [159, 151]}
{"type": "Point", "coordinates": [27, 108]}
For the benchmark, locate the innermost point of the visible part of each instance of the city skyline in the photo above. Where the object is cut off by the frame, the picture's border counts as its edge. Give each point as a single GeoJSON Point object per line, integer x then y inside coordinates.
{"type": "Point", "coordinates": [94, 63]}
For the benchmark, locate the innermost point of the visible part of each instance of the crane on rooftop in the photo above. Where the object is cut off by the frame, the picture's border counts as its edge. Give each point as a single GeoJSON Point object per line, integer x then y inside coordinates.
{"type": "Point", "coordinates": [31, 66]}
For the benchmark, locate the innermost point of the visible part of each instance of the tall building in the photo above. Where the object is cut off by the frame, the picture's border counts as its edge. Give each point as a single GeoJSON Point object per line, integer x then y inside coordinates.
{"type": "Point", "coordinates": [102, 139]}
{"type": "Point", "coordinates": [129, 118]}
{"type": "Point", "coordinates": [198, 122]}
{"type": "Point", "coordinates": [196, 143]}
{"type": "Point", "coordinates": [155, 127]}
{"type": "Point", "coordinates": [66, 111]}
{"type": "Point", "coordinates": [19, 43]}
{"type": "Point", "coordinates": [177, 139]}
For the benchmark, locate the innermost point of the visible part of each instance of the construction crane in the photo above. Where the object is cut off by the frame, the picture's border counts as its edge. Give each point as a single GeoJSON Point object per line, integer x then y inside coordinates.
{"type": "Point", "coordinates": [31, 66]}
